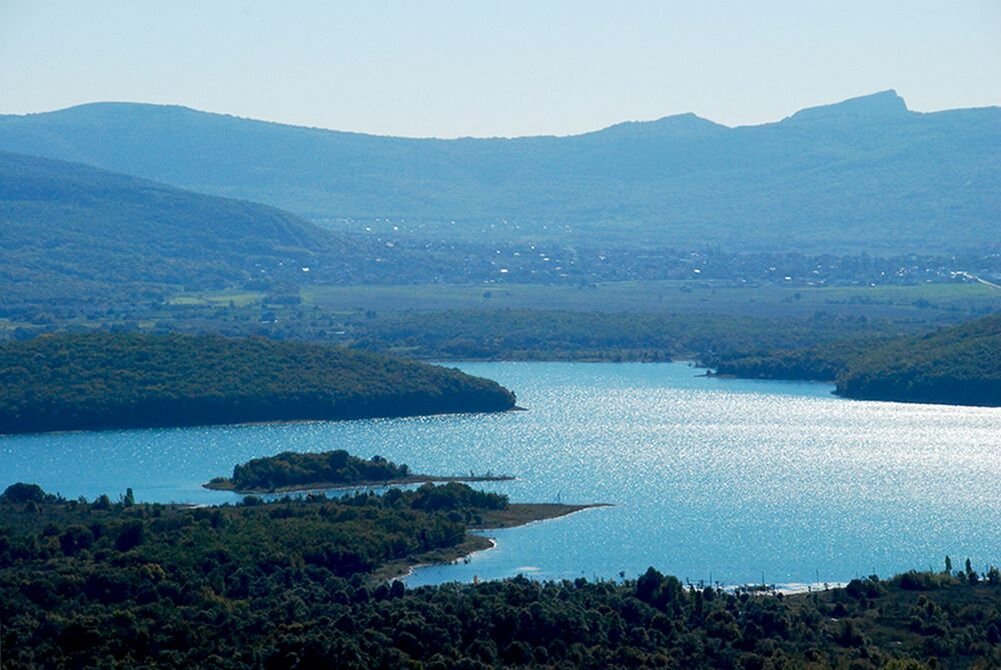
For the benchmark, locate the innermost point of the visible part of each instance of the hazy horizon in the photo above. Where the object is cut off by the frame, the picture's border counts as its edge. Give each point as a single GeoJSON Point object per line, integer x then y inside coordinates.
{"type": "Point", "coordinates": [496, 69]}
{"type": "Point", "coordinates": [623, 121]}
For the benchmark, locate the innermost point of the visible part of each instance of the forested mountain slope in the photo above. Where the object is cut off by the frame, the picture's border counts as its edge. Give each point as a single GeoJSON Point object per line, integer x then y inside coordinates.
{"type": "Point", "coordinates": [102, 380]}
{"type": "Point", "coordinates": [960, 365]}
{"type": "Point", "coordinates": [73, 233]}
{"type": "Point", "coordinates": [65, 223]}
{"type": "Point", "coordinates": [864, 174]}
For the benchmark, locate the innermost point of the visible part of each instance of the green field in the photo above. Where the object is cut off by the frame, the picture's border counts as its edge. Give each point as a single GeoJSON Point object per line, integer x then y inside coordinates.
{"type": "Point", "coordinates": [926, 302]}
{"type": "Point", "coordinates": [238, 298]}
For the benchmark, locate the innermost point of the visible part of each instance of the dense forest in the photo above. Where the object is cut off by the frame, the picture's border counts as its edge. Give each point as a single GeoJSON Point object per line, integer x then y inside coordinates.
{"type": "Point", "coordinates": [822, 362]}
{"type": "Point", "coordinates": [550, 334]}
{"type": "Point", "coordinates": [959, 365]}
{"type": "Point", "coordinates": [104, 380]}
{"type": "Point", "coordinates": [290, 468]}
{"type": "Point", "coordinates": [292, 584]}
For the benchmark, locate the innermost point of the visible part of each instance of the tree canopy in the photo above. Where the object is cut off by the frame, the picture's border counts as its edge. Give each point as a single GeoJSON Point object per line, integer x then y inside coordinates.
{"type": "Point", "coordinates": [104, 380]}
{"type": "Point", "coordinates": [958, 365]}
{"type": "Point", "coordinates": [292, 584]}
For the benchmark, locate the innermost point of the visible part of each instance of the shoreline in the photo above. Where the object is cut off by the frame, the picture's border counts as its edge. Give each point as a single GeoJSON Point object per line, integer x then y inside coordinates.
{"type": "Point", "coordinates": [522, 514]}
{"type": "Point", "coordinates": [250, 423]}
{"type": "Point", "coordinates": [226, 484]}
{"type": "Point", "coordinates": [517, 515]}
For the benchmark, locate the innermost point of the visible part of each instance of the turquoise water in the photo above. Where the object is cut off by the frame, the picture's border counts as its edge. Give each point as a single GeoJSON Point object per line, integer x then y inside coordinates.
{"type": "Point", "coordinates": [721, 479]}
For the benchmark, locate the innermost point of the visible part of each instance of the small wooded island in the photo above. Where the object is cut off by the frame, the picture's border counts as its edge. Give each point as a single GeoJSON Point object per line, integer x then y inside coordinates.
{"type": "Point", "coordinates": [104, 380]}
{"type": "Point", "coordinates": [291, 471]}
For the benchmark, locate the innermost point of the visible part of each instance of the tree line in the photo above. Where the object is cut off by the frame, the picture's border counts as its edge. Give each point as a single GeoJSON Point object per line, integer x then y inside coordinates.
{"type": "Point", "coordinates": [126, 380]}
{"type": "Point", "coordinates": [289, 584]}
{"type": "Point", "coordinates": [957, 365]}
{"type": "Point", "coordinates": [290, 468]}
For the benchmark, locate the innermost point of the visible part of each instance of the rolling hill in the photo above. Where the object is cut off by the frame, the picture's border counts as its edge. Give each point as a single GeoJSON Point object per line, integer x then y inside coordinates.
{"type": "Point", "coordinates": [959, 365]}
{"type": "Point", "coordinates": [102, 380]}
{"type": "Point", "coordinates": [72, 225]}
{"type": "Point", "coordinates": [72, 232]}
{"type": "Point", "coordinates": [865, 174]}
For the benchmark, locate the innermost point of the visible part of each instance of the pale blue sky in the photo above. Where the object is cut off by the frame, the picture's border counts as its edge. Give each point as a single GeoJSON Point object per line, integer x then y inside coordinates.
{"type": "Point", "coordinates": [484, 68]}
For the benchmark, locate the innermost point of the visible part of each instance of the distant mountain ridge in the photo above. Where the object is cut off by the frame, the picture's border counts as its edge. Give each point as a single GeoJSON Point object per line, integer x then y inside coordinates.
{"type": "Point", "coordinates": [865, 174]}
{"type": "Point", "coordinates": [877, 106]}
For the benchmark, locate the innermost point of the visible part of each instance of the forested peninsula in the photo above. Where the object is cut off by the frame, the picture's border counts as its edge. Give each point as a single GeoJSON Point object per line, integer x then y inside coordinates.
{"type": "Point", "coordinates": [300, 583]}
{"type": "Point", "coordinates": [105, 380]}
{"type": "Point", "coordinates": [292, 471]}
{"type": "Point", "coordinates": [960, 365]}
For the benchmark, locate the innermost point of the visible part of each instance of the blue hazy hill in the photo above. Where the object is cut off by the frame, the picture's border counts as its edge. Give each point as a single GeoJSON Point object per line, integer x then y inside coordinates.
{"type": "Point", "coordinates": [865, 174]}
{"type": "Point", "coordinates": [71, 223]}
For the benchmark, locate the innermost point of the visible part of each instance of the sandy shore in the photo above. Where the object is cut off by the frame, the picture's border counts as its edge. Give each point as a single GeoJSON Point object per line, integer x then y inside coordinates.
{"type": "Point", "coordinates": [517, 514]}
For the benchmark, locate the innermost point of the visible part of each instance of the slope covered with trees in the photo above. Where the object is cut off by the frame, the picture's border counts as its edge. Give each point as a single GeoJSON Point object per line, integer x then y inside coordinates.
{"type": "Point", "coordinates": [291, 584]}
{"type": "Point", "coordinates": [76, 228]}
{"type": "Point", "coordinates": [959, 365]}
{"type": "Point", "coordinates": [822, 362]}
{"type": "Point", "coordinates": [863, 174]}
{"type": "Point", "coordinates": [101, 380]}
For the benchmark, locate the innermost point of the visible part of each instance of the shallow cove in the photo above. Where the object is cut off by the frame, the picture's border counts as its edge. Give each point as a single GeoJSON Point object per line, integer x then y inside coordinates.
{"type": "Point", "coordinates": [727, 479]}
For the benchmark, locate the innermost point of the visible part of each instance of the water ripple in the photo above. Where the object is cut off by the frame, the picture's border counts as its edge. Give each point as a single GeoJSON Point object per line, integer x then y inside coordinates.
{"type": "Point", "coordinates": [729, 478]}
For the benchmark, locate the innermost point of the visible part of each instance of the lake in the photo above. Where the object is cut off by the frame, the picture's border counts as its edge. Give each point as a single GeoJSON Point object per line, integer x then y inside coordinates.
{"type": "Point", "coordinates": [710, 479]}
